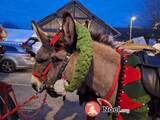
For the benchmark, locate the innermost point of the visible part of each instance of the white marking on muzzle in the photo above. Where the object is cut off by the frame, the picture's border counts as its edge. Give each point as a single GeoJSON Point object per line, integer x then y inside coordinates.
{"type": "Point", "coordinates": [36, 82]}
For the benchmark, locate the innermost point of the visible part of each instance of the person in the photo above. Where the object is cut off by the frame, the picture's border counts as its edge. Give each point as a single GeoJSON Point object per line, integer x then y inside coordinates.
{"type": "Point", "coordinates": [3, 33]}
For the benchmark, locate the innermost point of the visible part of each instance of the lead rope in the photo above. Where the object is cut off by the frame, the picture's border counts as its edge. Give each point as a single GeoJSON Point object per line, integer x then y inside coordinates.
{"type": "Point", "coordinates": [28, 117]}
{"type": "Point", "coordinates": [18, 106]}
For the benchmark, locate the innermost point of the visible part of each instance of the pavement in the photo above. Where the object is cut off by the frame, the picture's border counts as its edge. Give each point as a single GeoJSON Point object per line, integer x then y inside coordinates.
{"type": "Point", "coordinates": [54, 109]}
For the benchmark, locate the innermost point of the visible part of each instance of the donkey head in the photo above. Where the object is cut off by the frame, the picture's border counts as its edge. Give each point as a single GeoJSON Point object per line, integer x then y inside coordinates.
{"type": "Point", "coordinates": [46, 54]}
{"type": "Point", "coordinates": [43, 60]}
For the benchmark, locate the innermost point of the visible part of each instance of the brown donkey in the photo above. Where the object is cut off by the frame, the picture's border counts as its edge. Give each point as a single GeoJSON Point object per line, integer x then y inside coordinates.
{"type": "Point", "coordinates": [104, 69]}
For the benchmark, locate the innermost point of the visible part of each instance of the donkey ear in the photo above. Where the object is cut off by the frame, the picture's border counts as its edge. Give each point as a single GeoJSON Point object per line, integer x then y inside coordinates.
{"type": "Point", "coordinates": [68, 26]}
{"type": "Point", "coordinates": [43, 36]}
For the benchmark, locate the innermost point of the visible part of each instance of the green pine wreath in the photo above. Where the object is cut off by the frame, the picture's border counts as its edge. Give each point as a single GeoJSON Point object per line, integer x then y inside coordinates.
{"type": "Point", "coordinates": [84, 47]}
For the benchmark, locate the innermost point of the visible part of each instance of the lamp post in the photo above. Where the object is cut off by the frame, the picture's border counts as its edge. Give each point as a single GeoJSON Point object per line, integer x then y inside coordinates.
{"type": "Point", "coordinates": [131, 26]}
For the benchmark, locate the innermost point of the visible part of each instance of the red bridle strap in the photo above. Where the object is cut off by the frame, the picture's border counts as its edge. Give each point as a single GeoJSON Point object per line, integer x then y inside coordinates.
{"type": "Point", "coordinates": [44, 74]}
{"type": "Point", "coordinates": [55, 38]}
{"type": "Point", "coordinates": [115, 83]}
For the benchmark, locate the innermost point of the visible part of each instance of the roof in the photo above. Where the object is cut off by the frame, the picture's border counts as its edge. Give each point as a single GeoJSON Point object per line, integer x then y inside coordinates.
{"type": "Point", "coordinates": [76, 3]}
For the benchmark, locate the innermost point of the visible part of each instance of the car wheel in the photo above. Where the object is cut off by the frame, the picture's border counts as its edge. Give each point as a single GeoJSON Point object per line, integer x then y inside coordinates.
{"type": "Point", "coordinates": [8, 66]}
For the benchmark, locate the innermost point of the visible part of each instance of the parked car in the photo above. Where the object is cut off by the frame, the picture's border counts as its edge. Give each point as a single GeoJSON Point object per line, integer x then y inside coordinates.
{"type": "Point", "coordinates": [15, 57]}
{"type": "Point", "coordinates": [2, 51]}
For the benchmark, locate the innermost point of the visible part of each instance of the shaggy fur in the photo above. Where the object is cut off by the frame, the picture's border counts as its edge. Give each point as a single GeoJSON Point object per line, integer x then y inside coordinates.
{"type": "Point", "coordinates": [103, 38]}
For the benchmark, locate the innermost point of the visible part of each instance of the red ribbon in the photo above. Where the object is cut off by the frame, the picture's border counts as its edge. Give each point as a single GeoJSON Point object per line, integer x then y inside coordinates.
{"type": "Point", "coordinates": [55, 38]}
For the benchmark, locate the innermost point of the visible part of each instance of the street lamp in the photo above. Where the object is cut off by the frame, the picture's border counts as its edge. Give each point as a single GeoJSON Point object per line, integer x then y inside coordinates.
{"type": "Point", "coordinates": [131, 26]}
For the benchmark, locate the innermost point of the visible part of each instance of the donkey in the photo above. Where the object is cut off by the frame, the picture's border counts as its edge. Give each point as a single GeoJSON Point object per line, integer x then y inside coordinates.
{"type": "Point", "coordinates": [104, 69]}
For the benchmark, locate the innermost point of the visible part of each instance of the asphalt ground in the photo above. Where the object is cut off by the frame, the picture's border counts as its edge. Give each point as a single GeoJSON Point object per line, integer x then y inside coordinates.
{"type": "Point", "coordinates": [54, 109]}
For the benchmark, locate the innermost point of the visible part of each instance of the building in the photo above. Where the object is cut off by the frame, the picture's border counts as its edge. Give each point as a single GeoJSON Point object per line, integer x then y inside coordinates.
{"type": "Point", "coordinates": [137, 32]}
{"type": "Point", "coordinates": [81, 14]}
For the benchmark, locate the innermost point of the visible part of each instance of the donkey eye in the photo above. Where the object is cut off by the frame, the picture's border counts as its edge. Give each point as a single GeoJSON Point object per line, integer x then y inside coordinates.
{"type": "Point", "coordinates": [55, 59]}
{"type": "Point", "coordinates": [41, 61]}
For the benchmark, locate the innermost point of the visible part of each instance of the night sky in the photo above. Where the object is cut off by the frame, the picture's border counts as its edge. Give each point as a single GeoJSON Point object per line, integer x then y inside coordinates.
{"type": "Point", "coordinates": [117, 13]}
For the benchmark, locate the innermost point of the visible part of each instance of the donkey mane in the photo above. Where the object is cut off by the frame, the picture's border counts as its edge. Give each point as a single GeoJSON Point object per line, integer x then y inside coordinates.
{"type": "Point", "coordinates": [102, 38]}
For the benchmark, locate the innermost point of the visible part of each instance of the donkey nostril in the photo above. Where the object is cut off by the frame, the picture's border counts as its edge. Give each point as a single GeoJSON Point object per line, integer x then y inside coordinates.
{"type": "Point", "coordinates": [34, 87]}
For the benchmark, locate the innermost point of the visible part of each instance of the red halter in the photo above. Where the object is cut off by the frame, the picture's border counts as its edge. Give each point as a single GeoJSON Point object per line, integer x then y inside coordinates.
{"type": "Point", "coordinates": [43, 75]}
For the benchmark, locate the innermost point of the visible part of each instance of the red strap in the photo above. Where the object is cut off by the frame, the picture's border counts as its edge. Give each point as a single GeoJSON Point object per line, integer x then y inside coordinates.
{"type": "Point", "coordinates": [55, 38]}
{"type": "Point", "coordinates": [45, 72]}
{"type": "Point", "coordinates": [36, 74]}
{"type": "Point", "coordinates": [115, 82]}
{"type": "Point", "coordinates": [104, 102]}
{"type": "Point", "coordinates": [42, 75]}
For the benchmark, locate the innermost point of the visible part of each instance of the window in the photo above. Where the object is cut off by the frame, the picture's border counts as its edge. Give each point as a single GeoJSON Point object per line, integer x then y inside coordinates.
{"type": "Point", "coordinates": [10, 49]}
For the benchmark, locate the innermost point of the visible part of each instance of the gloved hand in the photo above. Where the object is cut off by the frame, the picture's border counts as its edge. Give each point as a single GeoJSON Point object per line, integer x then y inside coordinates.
{"type": "Point", "coordinates": [59, 87]}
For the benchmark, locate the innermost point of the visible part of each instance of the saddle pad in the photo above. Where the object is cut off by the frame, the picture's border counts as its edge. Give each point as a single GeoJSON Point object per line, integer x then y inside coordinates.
{"type": "Point", "coordinates": [151, 80]}
{"type": "Point", "coordinates": [152, 61]}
